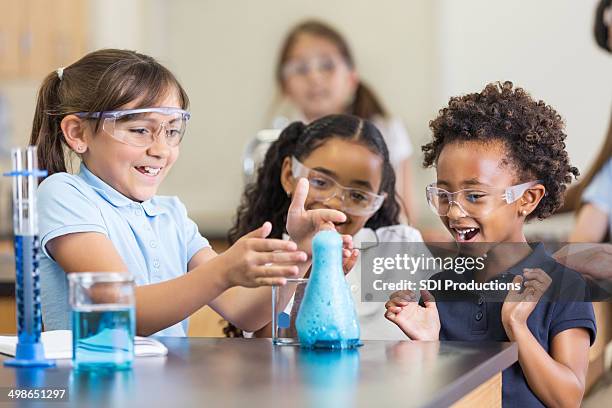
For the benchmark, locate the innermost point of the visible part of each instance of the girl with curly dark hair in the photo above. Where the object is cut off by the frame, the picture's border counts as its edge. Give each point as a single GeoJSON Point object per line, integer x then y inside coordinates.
{"type": "Point", "coordinates": [346, 162]}
{"type": "Point", "coordinates": [500, 161]}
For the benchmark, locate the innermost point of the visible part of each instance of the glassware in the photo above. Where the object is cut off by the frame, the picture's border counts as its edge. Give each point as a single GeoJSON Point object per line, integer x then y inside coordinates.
{"type": "Point", "coordinates": [327, 317]}
{"type": "Point", "coordinates": [284, 314]}
{"type": "Point", "coordinates": [103, 320]}
{"type": "Point", "coordinates": [29, 351]}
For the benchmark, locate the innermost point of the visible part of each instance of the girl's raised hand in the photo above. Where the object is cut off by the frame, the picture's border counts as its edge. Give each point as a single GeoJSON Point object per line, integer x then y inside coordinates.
{"type": "Point", "coordinates": [256, 261]}
{"type": "Point", "coordinates": [518, 304]}
{"type": "Point", "coordinates": [416, 321]}
{"type": "Point", "coordinates": [302, 225]}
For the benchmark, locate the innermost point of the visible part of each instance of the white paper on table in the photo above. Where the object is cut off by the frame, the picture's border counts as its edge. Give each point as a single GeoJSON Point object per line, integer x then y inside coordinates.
{"type": "Point", "coordinates": [58, 345]}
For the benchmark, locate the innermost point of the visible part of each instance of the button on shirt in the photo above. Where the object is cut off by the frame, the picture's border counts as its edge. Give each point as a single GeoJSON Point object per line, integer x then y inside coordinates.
{"type": "Point", "coordinates": [155, 238]}
{"type": "Point", "coordinates": [472, 318]}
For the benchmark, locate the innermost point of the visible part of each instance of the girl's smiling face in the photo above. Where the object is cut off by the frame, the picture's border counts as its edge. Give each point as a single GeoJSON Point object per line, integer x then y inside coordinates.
{"type": "Point", "coordinates": [358, 168]}
{"type": "Point", "coordinates": [122, 166]}
{"type": "Point", "coordinates": [317, 78]}
{"type": "Point", "coordinates": [484, 166]}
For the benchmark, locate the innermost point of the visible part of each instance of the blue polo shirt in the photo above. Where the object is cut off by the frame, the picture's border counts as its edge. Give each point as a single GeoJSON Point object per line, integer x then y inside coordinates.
{"type": "Point", "coordinates": [473, 318]}
{"type": "Point", "coordinates": [155, 238]}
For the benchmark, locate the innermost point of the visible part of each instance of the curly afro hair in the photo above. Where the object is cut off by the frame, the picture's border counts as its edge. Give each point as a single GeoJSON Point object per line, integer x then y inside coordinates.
{"type": "Point", "coordinates": [532, 133]}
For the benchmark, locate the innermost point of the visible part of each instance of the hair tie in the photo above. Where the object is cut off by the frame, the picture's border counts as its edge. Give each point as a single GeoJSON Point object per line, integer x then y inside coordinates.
{"type": "Point", "coordinates": [60, 72]}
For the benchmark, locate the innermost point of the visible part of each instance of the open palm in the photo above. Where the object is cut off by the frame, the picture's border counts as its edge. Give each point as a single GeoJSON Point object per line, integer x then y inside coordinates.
{"type": "Point", "coordinates": [416, 321]}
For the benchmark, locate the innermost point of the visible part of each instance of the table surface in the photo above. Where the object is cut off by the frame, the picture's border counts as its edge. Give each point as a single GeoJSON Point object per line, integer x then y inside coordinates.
{"type": "Point", "coordinates": [253, 372]}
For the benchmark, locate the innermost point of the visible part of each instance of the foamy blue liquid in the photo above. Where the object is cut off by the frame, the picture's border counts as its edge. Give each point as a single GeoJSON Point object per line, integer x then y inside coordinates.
{"type": "Point", "coordinates": [327, 317]}
{"type": "Point", "coordinates": [103, 339]}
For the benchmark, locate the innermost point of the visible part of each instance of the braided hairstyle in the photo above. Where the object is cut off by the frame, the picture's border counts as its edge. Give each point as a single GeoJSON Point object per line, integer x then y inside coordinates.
{"type": "Point", "coordinates": [266, 200]}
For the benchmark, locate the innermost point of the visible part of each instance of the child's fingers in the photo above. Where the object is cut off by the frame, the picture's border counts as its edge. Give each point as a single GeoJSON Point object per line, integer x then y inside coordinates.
{"type": "Point", "coordinates": [391, 316]}
{"type": "Point", "coordinates": [268, 245]}
{"type": "Point", "coordinates": [347, 241]}
{"type": "Point", "coordinates": [280, 257]}
{"type": "Point", "coordinates": [428, 298]}
{"type": "Point", "coordinates": [514, 295]}
{"type": "Point", "coordinates": [535, 274]}
{"type": "Point", "coordinates": [260, 232]}
{"type": "Point", "coordinates": [404, 295]}
{"type": "Point", "coordinates": [299, 196]}
{"type": "Point", "coordinates": [393, 309]}
{"type": "Point", "coordinates": [327, 217]}
{"type": "Point", "coordinates": [274, 271]}
{"type": "Point", "coordinates": [348, 263]}
{"type": "Point", "coordinates": [271, 281]}
{"type": "Point", "coordinates": [396, 302]}
{"type": "Point", "coordinates": [535, 285]}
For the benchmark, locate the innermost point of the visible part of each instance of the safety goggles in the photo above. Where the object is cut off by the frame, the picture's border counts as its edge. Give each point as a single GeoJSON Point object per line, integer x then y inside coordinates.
{"type": "Point", "coordinates": [476, 202]}
{"type": "Point", "coordinates": [323, 64]}
{"type": "Point", "coordinates": [323, 188]}
{"type": "Point", "coordinates": [140, 127]}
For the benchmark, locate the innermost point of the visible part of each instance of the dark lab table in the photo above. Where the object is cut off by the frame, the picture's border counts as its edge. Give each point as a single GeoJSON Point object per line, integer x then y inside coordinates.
{"type": "Point", "coordinates": [210, 372]}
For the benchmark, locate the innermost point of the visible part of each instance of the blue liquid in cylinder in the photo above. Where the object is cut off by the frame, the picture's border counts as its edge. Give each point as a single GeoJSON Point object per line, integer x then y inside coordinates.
{"type": "Point", "coordinates": [327, 317]}
{"type": "Point", "coordinates": [103, 338]}
{"type": "Point", "coordinates": [27, 289]}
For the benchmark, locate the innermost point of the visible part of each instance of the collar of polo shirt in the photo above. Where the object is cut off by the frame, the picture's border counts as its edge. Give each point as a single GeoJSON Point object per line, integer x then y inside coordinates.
{"type": "Point", "coordinates": [116, 198]}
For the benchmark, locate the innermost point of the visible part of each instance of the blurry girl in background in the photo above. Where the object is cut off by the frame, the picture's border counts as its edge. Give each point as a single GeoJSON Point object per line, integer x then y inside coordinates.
{"type": "Point", "coordinates": [317, 77]}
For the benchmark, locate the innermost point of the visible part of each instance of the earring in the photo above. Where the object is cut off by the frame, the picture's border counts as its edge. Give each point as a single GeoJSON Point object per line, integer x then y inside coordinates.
{"type": "Point", "coordinates": [80, 149]}
{"type": "Point", "coordinates": [523, 213]}
{"type": "Point", "coordinates": [288, 193]}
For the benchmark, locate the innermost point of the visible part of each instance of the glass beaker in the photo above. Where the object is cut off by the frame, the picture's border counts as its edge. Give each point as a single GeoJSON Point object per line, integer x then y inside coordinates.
{"type": "Point", "coordinates": [103, 320]}
{"type": "Point", "coordinates": [284, 313]}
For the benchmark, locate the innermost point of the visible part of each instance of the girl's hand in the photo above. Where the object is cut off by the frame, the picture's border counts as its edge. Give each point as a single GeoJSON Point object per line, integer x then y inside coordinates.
{"type": "Point", "coordinates": [591, 260]}
{"type": "Point", "coordinates": [518, 305]}
{"type": "Point", "coordinates": [255, 261]}
{"type": "Point", "coordinates": [302, 225]}
{"type": "Point", "coordinates": [349, 254]}
{"type": "Point", "coordinates": [417, 322]}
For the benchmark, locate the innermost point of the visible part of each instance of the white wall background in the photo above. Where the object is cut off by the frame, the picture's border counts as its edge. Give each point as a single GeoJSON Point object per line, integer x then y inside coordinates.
{"type": "Point", "coordinates": [414, 53]}
{"type": "Point", "coordinates": [546, 46]}
{"type": "Point", "coordinates": [225, 54]}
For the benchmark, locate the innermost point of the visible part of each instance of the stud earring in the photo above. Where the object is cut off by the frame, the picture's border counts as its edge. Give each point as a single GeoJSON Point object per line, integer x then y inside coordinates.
{"type": "Point", "coordinates": [523, 213]}
{"type": "Point", "coordinates": [80, 149]}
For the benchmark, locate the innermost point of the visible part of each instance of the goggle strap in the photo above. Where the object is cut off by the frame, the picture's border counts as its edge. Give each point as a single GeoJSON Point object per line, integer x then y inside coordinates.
{"type": "Point", "coordinates": [513, 193]}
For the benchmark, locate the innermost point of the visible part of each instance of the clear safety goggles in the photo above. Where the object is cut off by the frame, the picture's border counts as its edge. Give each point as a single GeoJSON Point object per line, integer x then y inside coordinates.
{"type": "Point", "coordinates": [140, 127]}
{"type": "Point", "coordinates": [323, 64]}
{"type": "Point", "coordinates": [476, 202]}
{"type": "Point", "coordinates": [323, 188]}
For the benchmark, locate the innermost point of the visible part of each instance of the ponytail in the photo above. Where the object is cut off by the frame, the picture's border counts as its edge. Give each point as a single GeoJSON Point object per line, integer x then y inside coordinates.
{"type": "Point", "coordinates": [101, 81]}
{"type": "Point", "coordinates": [366, 104]}
{"type": "Point", "coordinates": [46, 128]}
{"type": "Point", "coordinates": [264, 199]}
